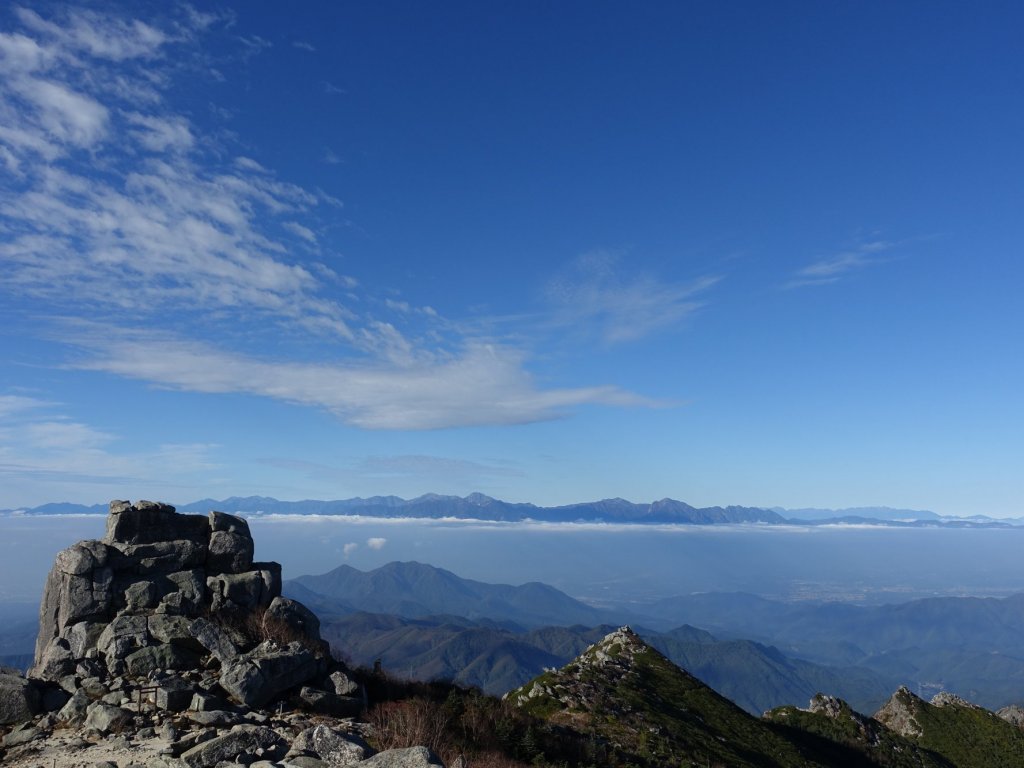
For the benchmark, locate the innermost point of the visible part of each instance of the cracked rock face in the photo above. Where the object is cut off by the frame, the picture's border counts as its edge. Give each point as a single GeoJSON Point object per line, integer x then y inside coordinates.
{"type": "Point", "coordinates": [899, 713]}
{"type": "Point", "coordinates": [163, 590]}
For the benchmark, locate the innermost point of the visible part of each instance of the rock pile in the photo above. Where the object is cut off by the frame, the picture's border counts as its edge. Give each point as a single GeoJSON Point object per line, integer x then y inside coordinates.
{"type": "Point", "coordinates": [167, 633]}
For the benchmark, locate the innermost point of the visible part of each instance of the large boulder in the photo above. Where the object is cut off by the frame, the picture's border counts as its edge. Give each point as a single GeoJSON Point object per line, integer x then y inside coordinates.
{"type": "Point", "coordinates": [335, 748]}
{"type": "Point", "coordinates": [268, 670]}
{"type": "Point", "coordinates": [128, 604]}
{"type": "Point", "coordinates": [239, 742]}
{"type": "Point", "coordinates": [107, 718]}
{"type": "Point", "coordinates": [291, 616]}
{"type": "Point", "coordinates": [231, 545]}
{"type": "Point", "coordinates": [19, 699]}
{"type": "Point", "coordinates": [146, 522]}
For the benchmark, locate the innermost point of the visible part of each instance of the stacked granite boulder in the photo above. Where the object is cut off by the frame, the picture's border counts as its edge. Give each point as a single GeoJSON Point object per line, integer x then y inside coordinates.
{"type": "Point", "coordinates": [167, 645]}
{"type": "Point", "coordinates": [170, 592]}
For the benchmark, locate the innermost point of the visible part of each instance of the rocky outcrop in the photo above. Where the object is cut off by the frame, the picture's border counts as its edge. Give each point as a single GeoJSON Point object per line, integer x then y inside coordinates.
{"type": "Point", "coordinates": [166, 593]}
{"type": "Point", "coordinates": [164, 644]}
{"type": "Point", "coordinates": [899, 713]}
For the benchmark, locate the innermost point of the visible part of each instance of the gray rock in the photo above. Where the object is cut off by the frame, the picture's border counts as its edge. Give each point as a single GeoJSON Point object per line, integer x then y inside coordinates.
{"type": "Point", "coordinates": [105, 764]}
{"type": "Point", "coordinates": [270, 573]}
{"type": "Point", "coordinates": [231, 546]}
{"type": "Point", "coordinates": [147, 521]}
{"type": "Point", "coordinates": [334, 747]}
{"type": "Point", "coordinates": [187, 742]}
{"type": "Point", "coordinates": [174, 695]}
{"type": "Point", "coordinates": [77, 589]}
{"type": "Point", "coordinates": [74, 711]}
{"type": "Point", "coordinates": [291, 616]}
{"type": "Point", "coordinates": [123, 636]}
{"type": "Point", "coordinates": [157, 558]}
{"type": "Point", "coordinates": [205, 702]}
{"type": "Point", "coordinates": [1012, 714]}
{"type": "Point", "coordinates": [186, 592]}
{"type": "Point", "coordinates": [234, 591]}
{"type": "Point", "coordinates": [342, 684]}
{"type": "Point", "coordinates": [215, 639]}
{"type": "Point", "coordinates": [168, 628]}
{"type": "Point", "coordinates": [146, 660]}
{"type": "Point", "coordinates": [257, 677]}
{"type": "Point", "coordinates": [21, 736]}
{"type": "Point", "coordinates": [140, 596]}
{"type": "Point", "coordinates": [239, 741]}
{"type": "Point", "coordinates": [303, 761]}
{"type": "Point", "coordinates": [94, 687]}
{"type": "Point", "coordinates": [107, 718]}
{"type": "Point", "coordinates": [19, 699]}
{"type": "Point", "coordinates": [213, 718]}
{"type": "Point", "coordinates": [82, 637]}
{"type": "Point", "coordinates": [55, 662]}
{"type": "Point", "coordinates": [412, 757]}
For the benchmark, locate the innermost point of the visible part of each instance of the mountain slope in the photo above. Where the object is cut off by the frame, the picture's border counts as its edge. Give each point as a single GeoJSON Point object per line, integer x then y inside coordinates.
{"type": "Point", "coordinates": [834, 720]}
{"type": "Point", "coordinates": [415, 590]}
{"type": "Point", "coordinates": [646, 710]}
{"type": "Point", "coordinates": [966, 735]}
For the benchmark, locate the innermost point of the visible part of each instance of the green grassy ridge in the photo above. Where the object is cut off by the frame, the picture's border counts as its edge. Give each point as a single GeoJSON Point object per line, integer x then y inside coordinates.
{"type": "Point", "coordinates": [655, 713]}
{"type": "Point", "coordinates": [967, 736]}
{"type": "Point", "coordinates": [876, 744]}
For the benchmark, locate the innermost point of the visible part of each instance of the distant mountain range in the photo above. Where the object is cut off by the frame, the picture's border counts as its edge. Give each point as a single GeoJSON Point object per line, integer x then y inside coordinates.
{"type": "Point", "coordinates": [477, 506]}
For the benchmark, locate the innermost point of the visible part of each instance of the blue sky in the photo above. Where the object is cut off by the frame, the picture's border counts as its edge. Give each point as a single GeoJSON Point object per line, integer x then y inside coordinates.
{"type": "Point", "coordinates": [731, 253]}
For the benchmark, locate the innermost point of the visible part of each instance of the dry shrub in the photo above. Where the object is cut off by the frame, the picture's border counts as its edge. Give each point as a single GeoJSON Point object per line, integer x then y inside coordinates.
{"type": "Point", "coordinates": [411, 723]}
{"type": "Point", "coordinates": [444, 729]}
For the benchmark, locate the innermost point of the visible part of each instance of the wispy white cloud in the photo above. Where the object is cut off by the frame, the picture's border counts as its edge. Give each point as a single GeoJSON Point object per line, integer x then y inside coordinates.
{"type": "Point", "coordinates": [302, 45]}
{"type": "Point", "coordinates": [39, 442]}
{"type": "Point", "coordinates": [161, 134]}
{"type": "Point", "coordinates": [349, 548]}
{"type": "Point", "coordinates": [119, 206]}
{"type": "Point", "coordinates": [485, 384]}
{"type": "Point", "coordinates": [300, 231]}
{"type": "Point", "coordinates": [17, 404]}
{"type": "Point", "coordinates": [596, 294]}
{"type": "Point", "coordinates": [833, 268]}
{"type": "Point", "coordinates": [376, 542]}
